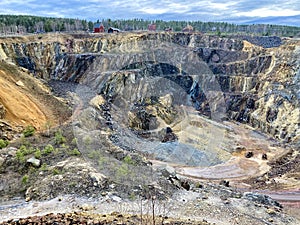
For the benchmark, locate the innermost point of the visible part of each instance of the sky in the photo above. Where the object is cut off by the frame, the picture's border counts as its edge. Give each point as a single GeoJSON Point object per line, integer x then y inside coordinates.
{"type": "Point", "coordinates": [285, 12]}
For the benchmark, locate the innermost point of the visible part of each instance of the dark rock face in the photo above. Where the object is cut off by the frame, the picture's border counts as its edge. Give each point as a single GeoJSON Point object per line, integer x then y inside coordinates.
{"type": "Point", "coordinates": [266, 42]}
{"type": "Point", "coordinates": [262, 199]}
{"type": "Point", "coordinates": [258, 86]}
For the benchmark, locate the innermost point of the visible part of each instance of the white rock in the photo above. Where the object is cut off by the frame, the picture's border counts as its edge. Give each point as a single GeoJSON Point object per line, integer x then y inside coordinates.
{"type": "Point", "coordinates": [97, 177]}
{"type": "Point", "coordinates": [20, 83]}
{"type": "Point", "coordinates": [115, 198]}
{"type": "Point", "coordinates": [35, 162]}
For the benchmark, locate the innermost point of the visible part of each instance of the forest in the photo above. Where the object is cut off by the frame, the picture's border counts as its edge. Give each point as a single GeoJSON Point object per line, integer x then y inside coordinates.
{"type": "Point", "coordinates": [24, 24]}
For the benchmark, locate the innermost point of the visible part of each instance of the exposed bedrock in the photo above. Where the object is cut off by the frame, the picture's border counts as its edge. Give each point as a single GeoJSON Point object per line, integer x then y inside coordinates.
{"type": "Point", "coordinates": [260, 85]}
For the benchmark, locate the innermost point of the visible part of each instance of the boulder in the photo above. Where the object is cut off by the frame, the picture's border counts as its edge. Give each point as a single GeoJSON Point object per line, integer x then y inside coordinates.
{"type": "Point", "coordinates": [97, 101]}
{"type": "Point", "coordinates": [264, 156]}
{"type": "Point", "coordinates": [248, 154]}
{"type": "Point", "coordinates": [35, 162]}
{"type": "Point", "coordinates": [20, 83]}
{"type": "Point", "coordinates": [224, 183]}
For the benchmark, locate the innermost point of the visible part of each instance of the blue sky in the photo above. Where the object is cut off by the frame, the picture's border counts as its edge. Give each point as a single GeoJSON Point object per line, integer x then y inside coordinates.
{"type": "Point", "coordinates": [239, 11]}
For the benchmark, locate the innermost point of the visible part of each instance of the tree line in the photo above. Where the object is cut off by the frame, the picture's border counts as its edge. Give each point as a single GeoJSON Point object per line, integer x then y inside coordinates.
{"type": "Point", "coordinates": [205, 27]}
{"type": "Point", "coordinates": [14, 24]}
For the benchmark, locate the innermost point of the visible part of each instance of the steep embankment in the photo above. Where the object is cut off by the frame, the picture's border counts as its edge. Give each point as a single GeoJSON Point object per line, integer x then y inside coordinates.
{"type": "Point", "coordinates": [25, 101]}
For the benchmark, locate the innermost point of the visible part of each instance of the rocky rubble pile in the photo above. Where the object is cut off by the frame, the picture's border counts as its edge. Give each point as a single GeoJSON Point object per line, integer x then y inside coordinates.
{"type": "Point", "coordinates": [95, 219]}
{"type": "Point", "coordinates": [265, 42]}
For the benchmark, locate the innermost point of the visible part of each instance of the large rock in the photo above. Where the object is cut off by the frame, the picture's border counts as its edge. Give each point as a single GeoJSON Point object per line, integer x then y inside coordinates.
{"type": "Point", "coordinates": [261, 198]}
{"type": "Point", "coordinates": [35, 162]}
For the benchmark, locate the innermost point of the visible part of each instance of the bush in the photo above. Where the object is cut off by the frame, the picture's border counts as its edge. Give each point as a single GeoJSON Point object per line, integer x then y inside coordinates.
{"type": "Point", "coordinates": [128, 160]}
{"type": "Point", "coordinates": [44, 167]}
{"type": "Point", "coordinates": [3, 143]}
{"type": "Point", "coordinates": [48, 149]}
{"type": "Point", "coordinates": [29, 131]}
{"type": "Point", "coordinates": [56, 171]}
{"type": "Point", "coordinates": [23, 151]}
{"type": "Point", "coordinates": [75, 152]}
{"type": "Point", "coordinates": [38, 154]}
{"type": "Point", "coordinates": [59, 138]}
{"type": "Point", "coordinates": [25, 179]}
{"type": "Point", "coordinates": [20, 156]}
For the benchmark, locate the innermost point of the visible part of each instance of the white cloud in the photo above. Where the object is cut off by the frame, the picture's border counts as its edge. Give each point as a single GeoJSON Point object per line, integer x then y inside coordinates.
{"type": "Point", "coordinates": [153, 11]}
{"type": "Point", "coordinates": [268, 12]}
{"type": "Point", "coordinates": [216, 10]}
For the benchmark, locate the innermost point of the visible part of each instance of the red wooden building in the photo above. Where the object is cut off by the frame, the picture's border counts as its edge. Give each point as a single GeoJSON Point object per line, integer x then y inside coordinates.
{"type": "Point", "coordinates": [99, 28]}
{"type": "Point", "coordinates": [152, 27]}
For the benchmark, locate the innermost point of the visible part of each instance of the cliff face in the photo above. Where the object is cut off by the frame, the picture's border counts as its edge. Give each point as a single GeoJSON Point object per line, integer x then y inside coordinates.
{"type": "Point", "coordinates": [260, 85]}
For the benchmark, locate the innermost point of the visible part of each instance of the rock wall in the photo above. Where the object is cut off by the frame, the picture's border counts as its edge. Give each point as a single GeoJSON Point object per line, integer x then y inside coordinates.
{"type": "Point", "coordinates": [260, 85]}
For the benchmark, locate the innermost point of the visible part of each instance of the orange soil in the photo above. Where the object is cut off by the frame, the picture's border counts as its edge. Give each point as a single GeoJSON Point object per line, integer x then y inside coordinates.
{"type": "Point", "coordinates": [22, 109]}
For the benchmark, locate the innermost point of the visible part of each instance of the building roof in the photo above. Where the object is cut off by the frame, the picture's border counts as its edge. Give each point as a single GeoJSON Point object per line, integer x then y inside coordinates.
{"type": "Point", "coordinates": [115, 29]}
{"type": "Point", "coordinates": [98, 25]}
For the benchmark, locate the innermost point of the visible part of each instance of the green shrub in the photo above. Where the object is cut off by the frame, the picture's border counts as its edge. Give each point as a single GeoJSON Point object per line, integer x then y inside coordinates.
{"type": "Point", "coordinates": [94, 154]}
{"type": "Point", "coordinates": [23, 151]}
{"type": "Point", "coordinates": [128, 160]}
{"type": "Point", "coordinates": [55, 171]}
{"type": "Point", "coordinates": [20, 156]}
{"type": "Point", "coordinates": [87, 140]}
{"type": "Point", "coordinates": [3, 143]}
{"type": "Point", "coordinates": [48, 150]}
{"type": "Point", "coordinates": [25, 179]}
{"type": "Point", "coordinates": [59, 138]}
{"type": "Point", "coordinates": [122, 171]}
{"type": "Point", "coordinates": [38, 153]}
{"type": "Point", "coordinates": [44, 167]}
{"type": "Point", "coordinates": [75, 152]}
{"type": "Point", "coordinates": [29, 131]}
{"type": "Point", "coordinates": [74, 141]}
{"type": "Point", "coordinates": [26, 151]}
